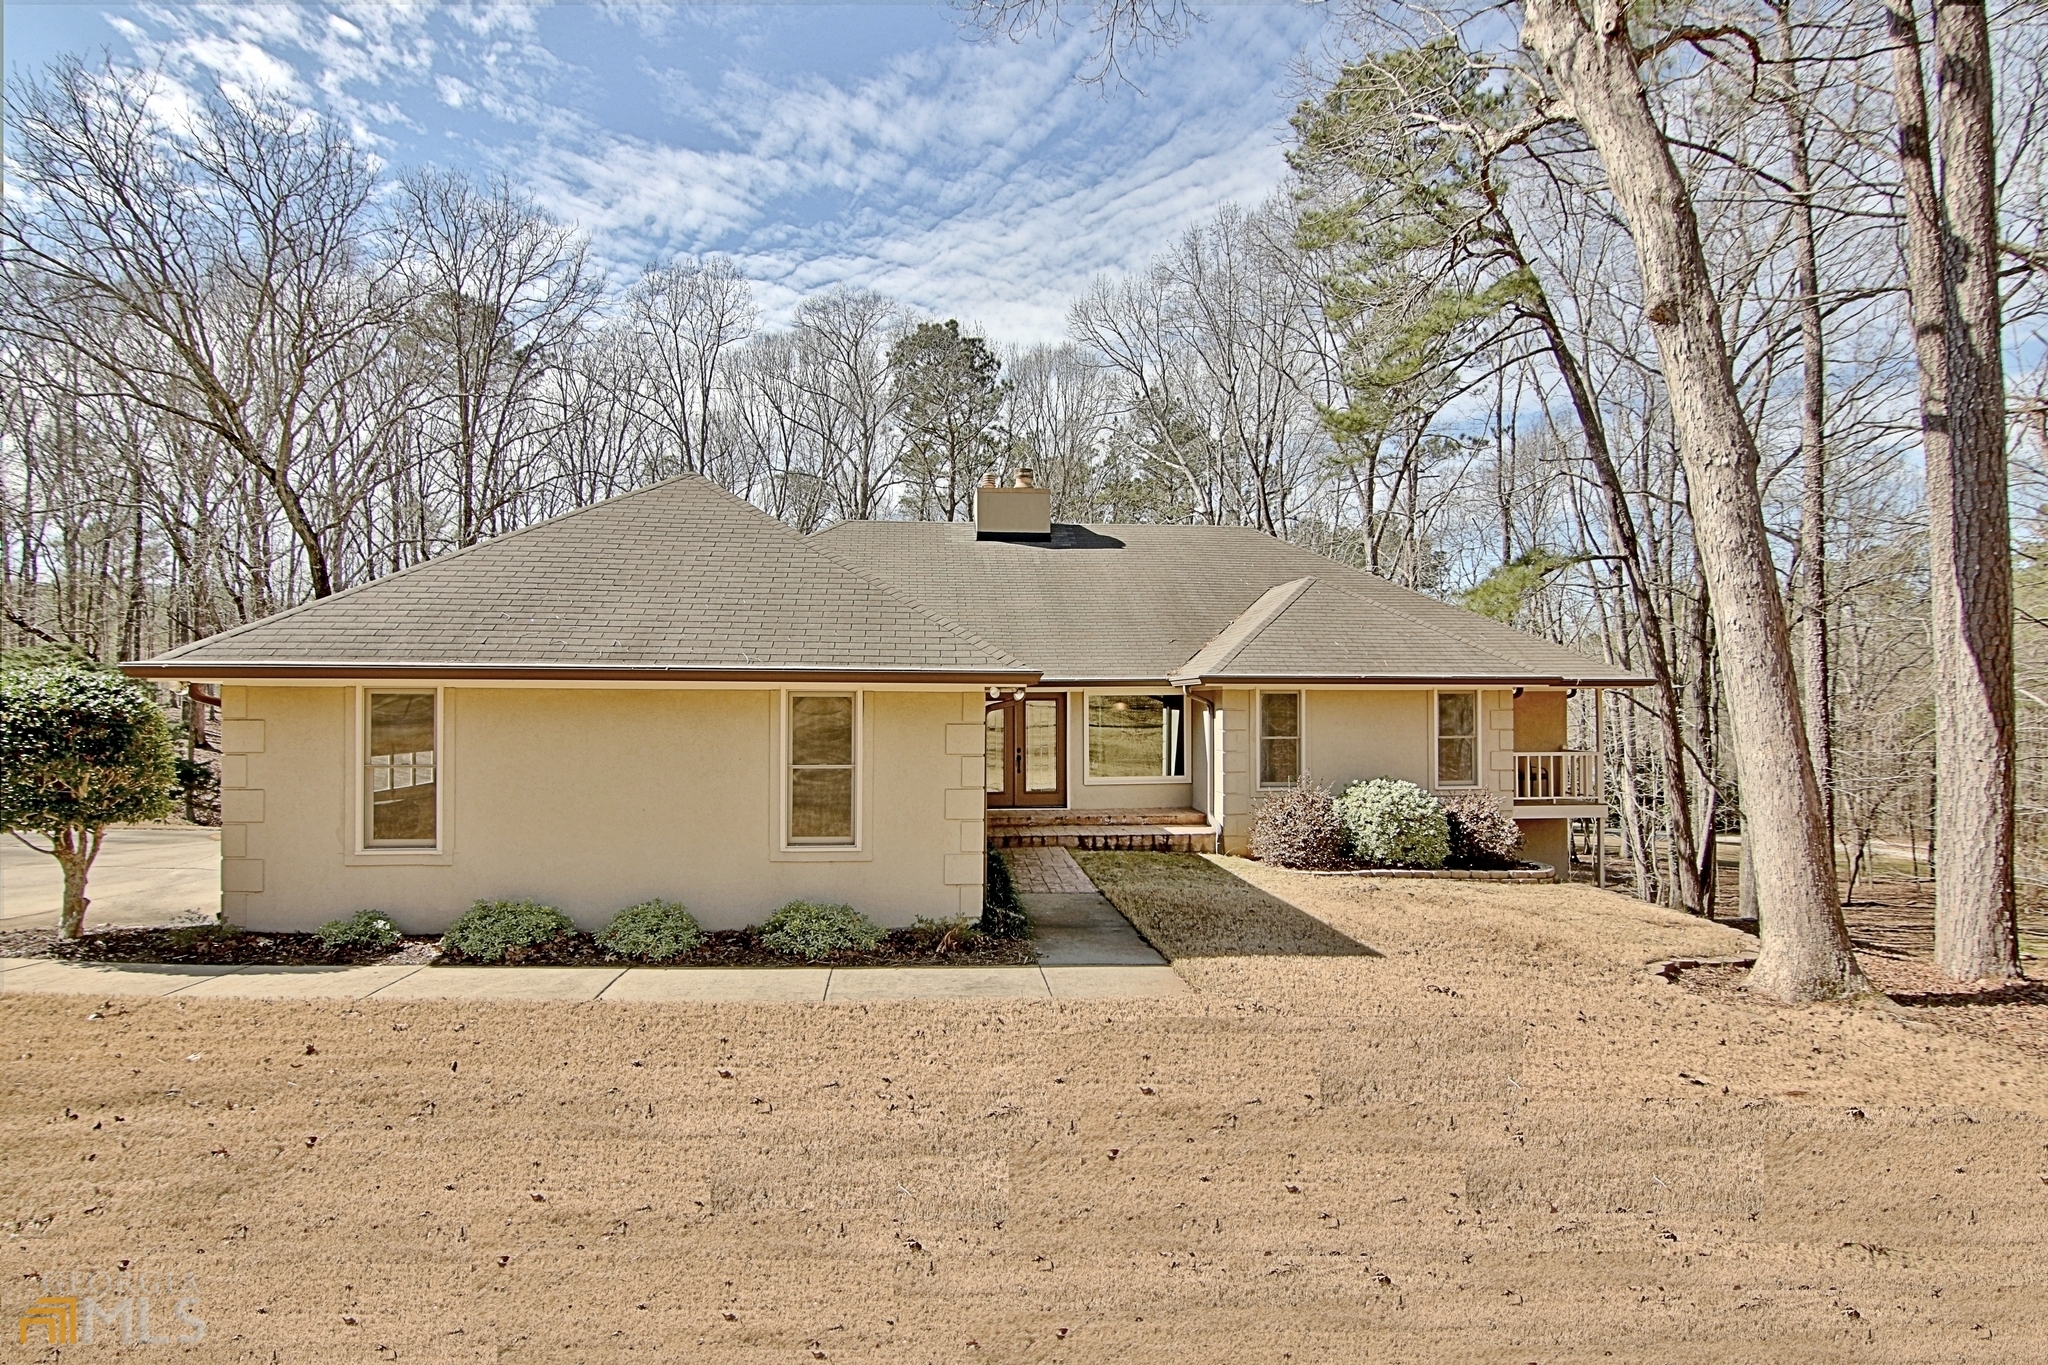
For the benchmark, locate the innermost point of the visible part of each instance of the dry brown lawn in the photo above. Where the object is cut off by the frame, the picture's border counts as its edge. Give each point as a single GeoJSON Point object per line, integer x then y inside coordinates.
{"type": "Point", "coordinates": [1395, 1121]}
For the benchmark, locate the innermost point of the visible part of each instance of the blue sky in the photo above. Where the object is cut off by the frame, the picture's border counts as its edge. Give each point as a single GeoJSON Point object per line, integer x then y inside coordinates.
{"type": "Point", "coordinates": [868, 144]}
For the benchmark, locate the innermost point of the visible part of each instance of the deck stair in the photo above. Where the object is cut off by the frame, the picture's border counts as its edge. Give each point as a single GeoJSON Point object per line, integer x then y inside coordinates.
{"type": "Point", "coordinates": [1143, 830]}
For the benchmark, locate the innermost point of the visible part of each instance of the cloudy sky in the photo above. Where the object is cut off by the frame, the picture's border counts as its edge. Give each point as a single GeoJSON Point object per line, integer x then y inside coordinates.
{"type": "Point", "coordinates": [871, 144]}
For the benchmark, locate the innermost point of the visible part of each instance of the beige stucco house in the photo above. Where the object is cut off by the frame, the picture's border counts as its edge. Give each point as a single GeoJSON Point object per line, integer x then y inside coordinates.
{"type": "Point", "coordinates": [673, 694]}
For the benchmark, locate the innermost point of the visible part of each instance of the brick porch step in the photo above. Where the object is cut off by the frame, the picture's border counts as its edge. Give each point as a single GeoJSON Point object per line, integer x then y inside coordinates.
{"type": "Point", "coordinates": [1162, 816]}
{"type": "Point", "coordinates": [1142, 831]}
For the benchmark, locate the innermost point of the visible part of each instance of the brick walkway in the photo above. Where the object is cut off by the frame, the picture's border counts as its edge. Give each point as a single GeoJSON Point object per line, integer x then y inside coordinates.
{"type": "Point", "coordinates": [1047, 872]}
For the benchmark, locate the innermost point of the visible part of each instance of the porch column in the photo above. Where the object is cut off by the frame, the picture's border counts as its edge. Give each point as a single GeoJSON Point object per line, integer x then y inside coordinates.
{"type": "Point", "coordinates": [1600, 768]}
{"type": "Point", "coordinates": [1237, 770]}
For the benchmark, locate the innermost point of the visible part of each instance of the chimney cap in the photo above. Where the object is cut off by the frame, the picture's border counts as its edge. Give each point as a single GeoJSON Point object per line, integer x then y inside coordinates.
{"type": "Point", "coordinates": [988, 480]}
{"type": "Point", "coordinates": [1024, 477]}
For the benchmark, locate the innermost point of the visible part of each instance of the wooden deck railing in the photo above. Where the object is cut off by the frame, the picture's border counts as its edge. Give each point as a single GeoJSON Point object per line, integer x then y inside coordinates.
{"type": "Point", "coordinates": [1568, 776]}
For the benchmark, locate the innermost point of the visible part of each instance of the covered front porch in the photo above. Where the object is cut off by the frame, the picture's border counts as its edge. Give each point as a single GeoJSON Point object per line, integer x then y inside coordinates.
{"type": "Point", "coordinates": [1181, 770]}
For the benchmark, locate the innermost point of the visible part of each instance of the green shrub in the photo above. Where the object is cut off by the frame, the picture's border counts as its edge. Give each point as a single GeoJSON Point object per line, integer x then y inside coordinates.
{"type": "Point", "coordinates": [1298, 826]}
{"type": "Point", "coordinates": [194, 935]}
{"type": "Point", "coordinates": [652, 931]}
{"type": "Point", "coordinates": [1483, 834]}
{"type": "Point", "coordinates": [363, 929]}
{"type": "Point", "coordinates": [1394, 824]}
{"type": "Point", "coordinates": [808, 929]}
{"type": "Point", "coordinates": [491, 931]}
{"type": "Point", "coordinates": [941, 935]}
{"type": "Point", "coordinates": [1002, 914]}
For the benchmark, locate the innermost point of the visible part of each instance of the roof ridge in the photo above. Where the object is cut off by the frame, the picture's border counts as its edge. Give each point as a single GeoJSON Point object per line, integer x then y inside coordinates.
{"type": "Point", "coordinates": [1244, 628]}
{"type": "Point", "coordinates": [396, 574]}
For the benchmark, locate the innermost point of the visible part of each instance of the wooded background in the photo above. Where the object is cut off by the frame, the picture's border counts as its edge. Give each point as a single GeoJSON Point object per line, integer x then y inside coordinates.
{"type": "Point", "coordinates": [245, 367]}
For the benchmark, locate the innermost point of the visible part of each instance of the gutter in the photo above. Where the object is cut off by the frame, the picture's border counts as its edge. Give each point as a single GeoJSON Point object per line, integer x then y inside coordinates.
{"type": "Point", "coordinates": [1397, 679]}
{"type": "Point", "coordinates": [233, 669]}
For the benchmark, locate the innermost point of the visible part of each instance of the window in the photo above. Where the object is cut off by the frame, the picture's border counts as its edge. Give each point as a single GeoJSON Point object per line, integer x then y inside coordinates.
{"type": "Point", "coordinates": [1457, 739]}
{"type": "Point", "coordinates": [1279, 738]}
{"type": "Point", "coordinates": [398, 780]}
{"type": "Point", "coordinates": [821, 770]}
{"type": "Point", "coordinates": [1135, 737]}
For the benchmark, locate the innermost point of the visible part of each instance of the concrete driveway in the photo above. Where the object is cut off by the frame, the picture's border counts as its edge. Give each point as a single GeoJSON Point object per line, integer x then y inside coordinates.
{"type": "Point", "coordinates": [146, 874]}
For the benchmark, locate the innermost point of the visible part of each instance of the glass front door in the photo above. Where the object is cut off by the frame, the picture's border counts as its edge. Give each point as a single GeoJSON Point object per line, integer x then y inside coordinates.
{"type": "Point", "coordinates": [1027, 745]}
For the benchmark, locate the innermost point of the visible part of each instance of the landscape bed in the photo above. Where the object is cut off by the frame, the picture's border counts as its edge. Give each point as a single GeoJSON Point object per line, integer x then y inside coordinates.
{"type": "Point", "coordinates": [203, 945]}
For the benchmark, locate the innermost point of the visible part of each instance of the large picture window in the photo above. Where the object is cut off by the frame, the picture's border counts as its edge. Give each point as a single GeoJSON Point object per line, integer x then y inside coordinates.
{"type": "Point", "coordinates": [1136, 736]}
{"type": "Point", "coordinates": [399, 778]}
{"type": "Point", "coordinates": [1279, 738]}
{"type": "Point", "coordinates": [1457, 739]}
{"type": "Point", "coordinates": [821, 770]}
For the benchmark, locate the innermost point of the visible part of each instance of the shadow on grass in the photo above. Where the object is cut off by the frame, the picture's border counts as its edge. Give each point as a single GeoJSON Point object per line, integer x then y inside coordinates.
{"type": "Point", "coordinates": [1189, 907]}
{"type": "Point", "coordinates": [1963, 996]}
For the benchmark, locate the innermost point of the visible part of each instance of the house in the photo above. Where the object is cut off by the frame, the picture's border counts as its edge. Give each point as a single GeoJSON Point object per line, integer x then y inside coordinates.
{"type": "Point", "coordinates": [674, 694]}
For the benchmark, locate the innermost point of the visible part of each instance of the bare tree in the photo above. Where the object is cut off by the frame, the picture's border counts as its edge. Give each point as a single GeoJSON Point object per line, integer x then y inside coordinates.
{"type": "Point", "coordinates": [1597, 69]}
{"type": "Point", "coordinates": [501, 291]}
{"type": "Point", "coordinates": [225, 275]}
{"type": "Point", "coordinates": [690, 317]}
{"type": "Point", "coordinates": [1952, 251]}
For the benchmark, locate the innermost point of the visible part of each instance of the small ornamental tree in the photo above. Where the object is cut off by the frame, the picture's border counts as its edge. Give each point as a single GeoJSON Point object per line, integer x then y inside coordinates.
{"type": "Point", "coordinates": [80, 749]}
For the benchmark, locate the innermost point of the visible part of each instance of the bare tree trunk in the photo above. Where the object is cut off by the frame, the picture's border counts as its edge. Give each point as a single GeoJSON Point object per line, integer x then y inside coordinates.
{"type": "Point", "coordinates": [1621, 525]}
{"type": "Point", "coordinates": [1976, 932]}
{"type": "Point", "coordinates": [1806, 953]}
{"type": "Point", "coordinates": [75, 850]}
{"type": "Point", "coordinates": [1813, 487]}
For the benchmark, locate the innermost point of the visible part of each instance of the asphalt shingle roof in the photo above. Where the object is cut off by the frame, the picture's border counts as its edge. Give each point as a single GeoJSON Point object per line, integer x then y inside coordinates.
{"type": "Point", "coordinates": [1148, 603]}
{"type": "Point", "coordinates": [678, 578]}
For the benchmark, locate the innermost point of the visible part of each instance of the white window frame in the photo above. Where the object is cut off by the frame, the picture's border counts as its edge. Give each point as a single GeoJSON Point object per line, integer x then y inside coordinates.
{"type": "Point", "coordinates": [359, 755]}
{"type": "Point", "coordinates": [1258, 729]}
{"type": "Point", "coordinates": [818, 849]}
{"type": "Point", "coordinates": [1088, 777]}
{"type": "Point", "coordinates": [1436, 750]}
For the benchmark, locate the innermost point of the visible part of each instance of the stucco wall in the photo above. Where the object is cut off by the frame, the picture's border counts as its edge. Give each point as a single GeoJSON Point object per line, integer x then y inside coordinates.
{"type": "Point", "coordinates": [1354, 734]}
{"type": "Point", "coordinates": [593, 799]}
{"type": "Point", "coordinates": [1547, 841]}
{"type": "Point", "coordinates": [1540, 721]}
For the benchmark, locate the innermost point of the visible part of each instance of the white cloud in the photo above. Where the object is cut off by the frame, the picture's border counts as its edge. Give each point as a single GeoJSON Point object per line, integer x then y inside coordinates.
{"type": "Point", "coordinates": [972, 179]}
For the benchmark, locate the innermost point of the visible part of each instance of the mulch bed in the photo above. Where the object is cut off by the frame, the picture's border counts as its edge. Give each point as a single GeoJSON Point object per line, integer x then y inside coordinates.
{"type": "Point", "coordinates": [205, 945]}
{"type": "Point", "coordinates": [1891, 924]}
{"type": "Point", "coordinates": [743, 948]}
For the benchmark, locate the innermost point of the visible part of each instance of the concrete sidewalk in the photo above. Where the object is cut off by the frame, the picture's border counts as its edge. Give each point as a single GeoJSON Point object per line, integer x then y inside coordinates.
{"type": "Point", "coordinates": [41, 976]}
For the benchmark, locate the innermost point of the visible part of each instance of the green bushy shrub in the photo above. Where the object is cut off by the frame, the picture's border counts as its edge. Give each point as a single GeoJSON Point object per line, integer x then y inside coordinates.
{"type": "Point", "coordinates": [1394, 824]}
{"type": "Point", "coordinates": [653, 931]}
{"type": "Point", "coordinates": [1002, 914]}
{"type": "Point", "coordinates": [1483, 834]}
{"type": "Point", "coordinates": [363, 929]}
{"type": "Point", "coordinates": [1299, 827]}
{"type": "Point", "coordinates": [811, 930]}
{"type": "Point", "coordinates": [942, 935]}
{"type": "Point", "coordinates": [492, 931]}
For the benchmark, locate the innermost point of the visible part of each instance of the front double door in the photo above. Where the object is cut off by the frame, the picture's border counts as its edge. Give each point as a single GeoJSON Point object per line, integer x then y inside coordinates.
{"type": "Point", "coordinates": [1027, 746]}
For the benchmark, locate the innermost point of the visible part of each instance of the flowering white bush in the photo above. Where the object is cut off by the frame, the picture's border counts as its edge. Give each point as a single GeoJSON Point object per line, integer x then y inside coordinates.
{"type": "Point", "coordinates": [1394, 824]}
